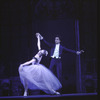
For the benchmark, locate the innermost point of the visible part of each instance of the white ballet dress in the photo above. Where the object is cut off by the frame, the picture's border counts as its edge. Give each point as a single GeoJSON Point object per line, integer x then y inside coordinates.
{"type": "Point", "coordinates": [39, 77]}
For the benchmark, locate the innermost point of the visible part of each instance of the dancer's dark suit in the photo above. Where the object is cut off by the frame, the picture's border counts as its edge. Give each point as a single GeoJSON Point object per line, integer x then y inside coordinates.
{"type": "Point", "coordinates": [56, 61]}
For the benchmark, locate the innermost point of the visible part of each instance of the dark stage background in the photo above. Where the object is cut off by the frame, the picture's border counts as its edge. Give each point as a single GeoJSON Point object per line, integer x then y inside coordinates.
{"type": "Point", "coordinates": [21, 19]}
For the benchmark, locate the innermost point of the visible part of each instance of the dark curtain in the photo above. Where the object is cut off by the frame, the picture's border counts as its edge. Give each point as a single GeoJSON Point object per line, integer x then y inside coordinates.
{"type": "Point", "coordinates": [15, 34]}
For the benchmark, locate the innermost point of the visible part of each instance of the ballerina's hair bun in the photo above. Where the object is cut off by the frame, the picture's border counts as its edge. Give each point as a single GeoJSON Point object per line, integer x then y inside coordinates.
{"type": "Point", "coordinates": [45, 52]}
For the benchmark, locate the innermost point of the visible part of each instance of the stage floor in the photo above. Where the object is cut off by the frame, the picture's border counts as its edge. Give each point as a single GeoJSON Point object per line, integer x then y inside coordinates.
{"type": "Point", "coordinates": [78, 96]}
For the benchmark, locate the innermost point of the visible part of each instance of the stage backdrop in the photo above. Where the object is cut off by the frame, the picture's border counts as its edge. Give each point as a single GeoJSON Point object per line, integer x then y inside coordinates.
{"type": "Point", "coordinates": [18, 25]}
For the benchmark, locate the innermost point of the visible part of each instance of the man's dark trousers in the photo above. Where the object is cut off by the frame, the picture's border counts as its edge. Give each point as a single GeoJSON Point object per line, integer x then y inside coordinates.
{"type": "Point", "coordinates": [56, 63]}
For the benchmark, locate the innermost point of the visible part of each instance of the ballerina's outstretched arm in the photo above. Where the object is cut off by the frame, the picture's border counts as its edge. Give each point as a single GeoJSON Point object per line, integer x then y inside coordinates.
{"type": "Point", "coordinates": [39, 48]}
{"type": "Point", "coordinates": [38, 41]}
{"type": "Point", "coordinates": [28, 62]}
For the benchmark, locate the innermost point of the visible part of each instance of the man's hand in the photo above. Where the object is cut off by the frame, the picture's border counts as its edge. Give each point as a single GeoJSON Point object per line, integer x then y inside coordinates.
{"type": "Point", "coordinates": [79, 52]}
{"type": "Point", "coordinates": [41, 37]}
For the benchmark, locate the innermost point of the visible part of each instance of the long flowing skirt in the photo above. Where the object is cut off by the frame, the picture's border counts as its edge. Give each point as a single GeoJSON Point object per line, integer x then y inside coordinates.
{"type": "Point", "coordinates": [39, 77]}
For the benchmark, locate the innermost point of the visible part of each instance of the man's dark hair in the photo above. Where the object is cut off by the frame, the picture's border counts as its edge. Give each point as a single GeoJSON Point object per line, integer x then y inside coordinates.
{"type": "Point", "coordinates": [57, 35]}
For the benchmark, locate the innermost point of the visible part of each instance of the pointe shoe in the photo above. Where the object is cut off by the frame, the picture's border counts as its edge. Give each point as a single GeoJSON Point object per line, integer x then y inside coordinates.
{"type": "Point", "coordinates": [25, 93]}
{"type": "Point", "coordinates": [54, 92]}
{"type": "Point", "coordinates": [57, 93]}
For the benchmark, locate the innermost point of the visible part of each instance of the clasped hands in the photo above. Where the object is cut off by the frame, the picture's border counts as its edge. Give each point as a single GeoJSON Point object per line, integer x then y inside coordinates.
{"type": "Point", "coordinates": [38, 34]}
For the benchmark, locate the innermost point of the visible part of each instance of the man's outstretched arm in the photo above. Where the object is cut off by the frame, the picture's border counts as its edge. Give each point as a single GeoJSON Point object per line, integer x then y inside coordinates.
{"type": "Point", "coordinates": [47, 43]}
{"type": "Point", "coordinates": [73, 51]}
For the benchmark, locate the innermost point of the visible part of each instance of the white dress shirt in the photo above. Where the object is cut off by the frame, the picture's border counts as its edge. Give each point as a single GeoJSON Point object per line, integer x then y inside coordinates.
{"type": "Point", "coordinates": [56, 51]}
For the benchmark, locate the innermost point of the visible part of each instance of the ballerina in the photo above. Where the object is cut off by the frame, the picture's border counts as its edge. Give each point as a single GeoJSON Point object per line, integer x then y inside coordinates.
{"type": "Point", "coordinates": [34, 75]}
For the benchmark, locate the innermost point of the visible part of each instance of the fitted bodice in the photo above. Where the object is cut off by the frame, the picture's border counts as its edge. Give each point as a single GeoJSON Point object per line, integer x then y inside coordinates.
{"type": "Point", "coordinates": [38, 59]}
